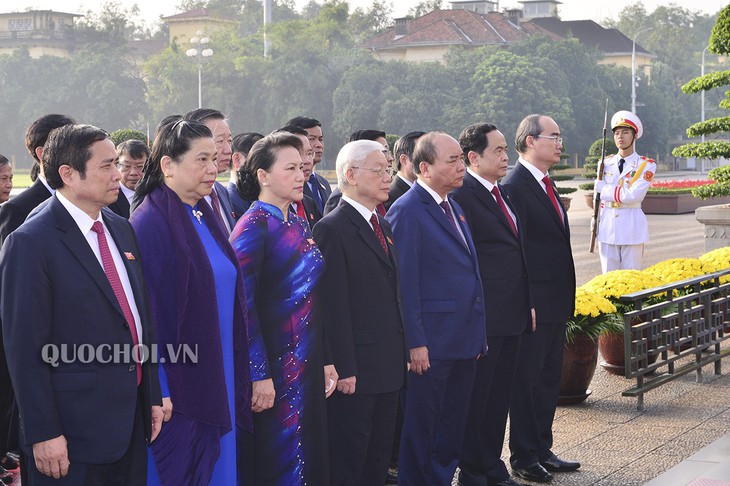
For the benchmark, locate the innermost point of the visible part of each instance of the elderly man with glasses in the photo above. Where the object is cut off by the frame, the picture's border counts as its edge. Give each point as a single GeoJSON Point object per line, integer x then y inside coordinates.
{"type": "Point", "coordinates": [551, 277]}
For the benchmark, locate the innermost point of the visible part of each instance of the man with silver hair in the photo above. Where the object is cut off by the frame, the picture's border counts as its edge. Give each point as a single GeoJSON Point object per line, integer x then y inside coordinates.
{"type": "Point", "coordinates": [362, 317]}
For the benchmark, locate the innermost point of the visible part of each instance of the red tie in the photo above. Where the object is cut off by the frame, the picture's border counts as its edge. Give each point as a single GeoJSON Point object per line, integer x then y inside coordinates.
{"type": "Point", "coordinates": [111, 274]}
{"type": "Point", "coordinates": [380, 209]}
{"type": "Point", "coordinates": [379, 232]}
{"type": "Point", "coordinates": [551, 194]}
{"type": "Point", "coordinates": [217, 208]}
{"type": "Point", "coordinates": [500, 201]}
{"type": "Point", "coordinates": [300, 210]}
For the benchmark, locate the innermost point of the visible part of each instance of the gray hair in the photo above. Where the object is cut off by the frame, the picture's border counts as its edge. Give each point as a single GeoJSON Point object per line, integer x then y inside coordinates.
{"type": "Point", "coordinates": [351, 155]}
{"type": "Point", "coordinates": [529, 127]}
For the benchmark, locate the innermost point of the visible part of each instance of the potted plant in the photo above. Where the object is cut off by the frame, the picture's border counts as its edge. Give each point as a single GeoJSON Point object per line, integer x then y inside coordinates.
{"type": "Point", "coordinates": [611, 286]}
{"type": "Point", "coordinates": [594, 315]}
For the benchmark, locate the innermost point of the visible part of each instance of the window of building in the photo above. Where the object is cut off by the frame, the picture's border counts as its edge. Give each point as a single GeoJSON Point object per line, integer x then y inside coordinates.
{"type": "Point", "coordinates": [16, 25]}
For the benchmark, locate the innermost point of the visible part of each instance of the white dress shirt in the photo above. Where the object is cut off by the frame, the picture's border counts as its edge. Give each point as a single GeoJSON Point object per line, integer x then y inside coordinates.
{"type": "Point", "coordinates": [84, 222]}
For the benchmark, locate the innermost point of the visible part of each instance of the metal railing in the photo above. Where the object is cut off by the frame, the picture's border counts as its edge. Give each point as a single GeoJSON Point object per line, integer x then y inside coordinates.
{"type": "Point", "coordinates": [674, 330]}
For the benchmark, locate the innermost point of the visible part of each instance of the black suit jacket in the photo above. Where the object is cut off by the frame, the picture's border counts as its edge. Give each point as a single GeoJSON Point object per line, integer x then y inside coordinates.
{"type": "Point", "coordinates": [54, 291]}
{"type": "Point", "coordinates": [121, 205]}
{"type": "Point", "coordinates": [311, 210]}
{"type": "Point", "coordinates": [550, 267]}
{"type": "Point", "coordinates": [333, 201]}
{"type": "Point", "coordinates": [362, 312]}
{"type": "Point", "coordinates": [501, 257]}
{"type": "Point", "coordinates": [14, 211]}
{"type": "Point", "coordinates": [398, 187]}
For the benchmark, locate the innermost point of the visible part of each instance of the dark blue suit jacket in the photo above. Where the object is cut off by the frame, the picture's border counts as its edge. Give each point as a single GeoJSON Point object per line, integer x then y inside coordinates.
{"type": "Point", "coordinates": [238, 205]}
{"type": "Point", "coordinates": [54, 291]}
{"type": "Point", "coordinates": [441, 290]}
{"type": "Point", "coordinates": [226, 207]}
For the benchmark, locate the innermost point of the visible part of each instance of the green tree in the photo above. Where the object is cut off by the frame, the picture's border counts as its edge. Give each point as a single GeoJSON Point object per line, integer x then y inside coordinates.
{"type": "Point", "coordinates": [712, 149]}
{"type": "Point", "coordinates": [425, 6]}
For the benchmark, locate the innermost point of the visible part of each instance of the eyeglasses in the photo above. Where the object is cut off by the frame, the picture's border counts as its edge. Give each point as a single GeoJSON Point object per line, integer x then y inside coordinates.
{"type": "Point", "coordinates": [127, 168]}
{"type": "Point", "coordinates": [557, 140]}
{"type": "Point", "coordinates": [380, 172]}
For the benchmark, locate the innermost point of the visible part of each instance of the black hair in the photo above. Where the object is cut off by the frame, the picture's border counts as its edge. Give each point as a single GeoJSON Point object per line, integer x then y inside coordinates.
{"type": "Point", "coordinates": [262, 156]}
{"type": "Point", "coordinates": [366, 135]}
{"type": "Point", "coordinates": [135, 149]}
{"type": "Point", "coordinates": [37, 134]}
{"type": "Point", "coordinates": [405, 146]}
{"type": "Point", "coordinates": [474, 139]}
{"type": "Point", "coordinates": [304, 122]}
{"type": "Point", "coordinates": [69, 145]}
{"type": "Point", "coordinates": [293, 129]}
{"type": "Point", "coordinates": [173, 140]}
{"type": "Point", "coordinates": [243, 142]}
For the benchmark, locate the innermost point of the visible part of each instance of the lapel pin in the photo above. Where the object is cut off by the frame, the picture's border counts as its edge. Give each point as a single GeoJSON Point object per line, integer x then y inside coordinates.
{"type": "Point", "coordinates": [129, 256]}
{"type": "Point", "coordinates": [389, 240]}
{"type": "Point", "coordinates": [310, 241]}
{"type": "Point", "coordinates": [462, 218]}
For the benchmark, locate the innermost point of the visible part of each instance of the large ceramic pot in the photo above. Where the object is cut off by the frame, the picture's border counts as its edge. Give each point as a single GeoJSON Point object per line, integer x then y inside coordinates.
{"type": "Point", "coordinates": [611, 346]}
{"type": "Point", "coordinates": [579, 365]}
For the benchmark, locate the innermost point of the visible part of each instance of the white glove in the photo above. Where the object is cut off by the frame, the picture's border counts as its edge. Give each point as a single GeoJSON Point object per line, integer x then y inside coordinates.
{"type": "Point", "coordinates": [598, 185]}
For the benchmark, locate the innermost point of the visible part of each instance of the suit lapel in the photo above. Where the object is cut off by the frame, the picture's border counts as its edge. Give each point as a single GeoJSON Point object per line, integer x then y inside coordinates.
{"type": "Point", "coordinates": [438, 214]}
{"type": "Point", "coordinates": [541, 195]}
{"type": "Point", "coordinates": [129, 257]}
{"type": "Point", "coordinates": [487, 199]}
{"type": "Point", "coordinates": [79, 246]}
{"type": "Point", "coordinates": [366, 232]}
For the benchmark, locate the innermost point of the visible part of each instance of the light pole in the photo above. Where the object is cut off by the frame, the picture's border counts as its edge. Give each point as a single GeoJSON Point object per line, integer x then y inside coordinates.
{"type": "Point", "coordinates": [198, 50]}
{"type": "Point", "coordinates": [633, 69]}
{"type": "Point", "coordinates": [702, 111]}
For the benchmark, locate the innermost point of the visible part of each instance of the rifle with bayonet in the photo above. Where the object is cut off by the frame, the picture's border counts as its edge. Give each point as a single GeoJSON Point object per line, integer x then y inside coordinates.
{"type": "Point", "coordinates": [597, 194]}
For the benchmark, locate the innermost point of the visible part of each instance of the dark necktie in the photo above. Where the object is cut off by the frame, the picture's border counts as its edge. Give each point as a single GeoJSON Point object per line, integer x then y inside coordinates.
{"type": "Point", "coordinates": [551, 194]}
{"type": "Point", "coordinates": [217, 208]}
{"type": "Point", "coordinates": [447, 210]}
{"type": "Point", "coordinates": [621, 166]}
{"type": "Point", "coordinates": [378, 232]}
{"type": "Point", "coordinates": [315, 191]}
{"type": "Point", "coordinates": [111, 274]}
{"type": "Point", "coordinates": [380, 209]}
{"type": "Point", "coordinates": [502, 206]}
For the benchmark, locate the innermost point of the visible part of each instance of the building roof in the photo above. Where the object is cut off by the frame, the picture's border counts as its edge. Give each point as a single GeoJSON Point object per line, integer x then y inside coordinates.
{"type": "Point", "coordinates": [454, 27]}
{"type": "Point", "coordinates": [198, 13]}
{"type": "Point", "coordinates": [33, 12]}
{"type": "Point", "coordinates": [589, 33]}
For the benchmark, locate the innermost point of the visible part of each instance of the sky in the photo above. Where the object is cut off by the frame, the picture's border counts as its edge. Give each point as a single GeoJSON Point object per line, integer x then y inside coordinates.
{"type": "Point", "coordinates": [569, 10]}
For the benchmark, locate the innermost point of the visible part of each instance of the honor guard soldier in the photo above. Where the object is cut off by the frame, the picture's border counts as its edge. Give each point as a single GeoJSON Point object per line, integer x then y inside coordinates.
{"type": "Point", "coordinates": [622, 226]}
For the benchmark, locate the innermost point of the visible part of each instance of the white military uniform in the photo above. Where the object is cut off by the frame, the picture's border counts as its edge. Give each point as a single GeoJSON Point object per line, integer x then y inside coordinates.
{"type": "Point", "coordinates": [622, 225]}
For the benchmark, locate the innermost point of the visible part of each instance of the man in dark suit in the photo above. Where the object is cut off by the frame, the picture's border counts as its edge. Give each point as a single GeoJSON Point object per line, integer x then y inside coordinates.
{"type": "Point", "coordinates": [317, 187]}
{"type": "Point", "coordinates": [497, 238]}
{"type": "Point", "coordinates": [362, 318]}
{"type": "Point", "coordinates": [443, 312]}
{"type": "Point", "coordinates": [132, 156]}
{"type": "Point", "coordinates": [14, 212]}
{"type": "Point", "coordinates": [240, 146]}
{"type": "Point", "coordinates": [551, 273]}
{"type": "Point", "coordinates": [70, 279]}
{"type": "Point", "coordinates": [218, 198]}
{"type": "Point", "coordinates": [12, 215]}
{"type": "Point", "coordinates": [403, 160]}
